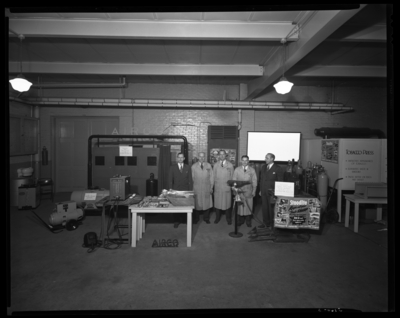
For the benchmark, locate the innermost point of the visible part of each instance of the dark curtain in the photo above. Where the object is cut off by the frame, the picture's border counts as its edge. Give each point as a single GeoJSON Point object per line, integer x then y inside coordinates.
{"type": "Point", "coordinates": [163, 167]}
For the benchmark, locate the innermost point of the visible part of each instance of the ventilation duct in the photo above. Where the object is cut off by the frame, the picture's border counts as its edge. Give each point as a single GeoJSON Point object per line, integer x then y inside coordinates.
{"type": "Point", "coordinates": [347, 132]}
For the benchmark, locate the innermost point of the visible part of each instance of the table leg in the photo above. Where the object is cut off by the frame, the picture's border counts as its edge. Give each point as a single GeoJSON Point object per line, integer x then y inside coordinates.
{"type": "Point", "coordinates": [140, 225]}
{"type": "Point", "coordinates": [129, 227]}
{"type": "Point", "coordinates": [356, 209]}
{"type": "Point", "coordinates": [189, 229]}
{"type": "Point", "coordinates": [379, 212]}
{"type": "Point", "coordinates": [134, 229]}
{"type": "Point", "coordinates": [347, 215]}
{"type": "Point", "coordinates": [144, 222]}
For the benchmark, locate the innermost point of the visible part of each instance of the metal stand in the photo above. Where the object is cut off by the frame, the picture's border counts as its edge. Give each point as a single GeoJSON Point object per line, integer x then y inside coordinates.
{"type": "Point", "coordinates": [235, 205]}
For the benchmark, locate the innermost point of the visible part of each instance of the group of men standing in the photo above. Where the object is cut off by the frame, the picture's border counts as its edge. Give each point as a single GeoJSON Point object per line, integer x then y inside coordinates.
{"type": "Point", "coordinates": [206, 181]}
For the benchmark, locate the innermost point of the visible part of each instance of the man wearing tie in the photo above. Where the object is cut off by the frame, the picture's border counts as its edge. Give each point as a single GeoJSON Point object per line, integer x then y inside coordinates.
{"type": "Point", "coordinates": [180, 178]}
{"type": "Point", "coordinates": [270, 173]}
{"type": "Point", "coordinates": [248, 191]}
{"type": "Point", "coordinates": [223, 171]}
{"type": "Point", "coordinates": [203, 180]}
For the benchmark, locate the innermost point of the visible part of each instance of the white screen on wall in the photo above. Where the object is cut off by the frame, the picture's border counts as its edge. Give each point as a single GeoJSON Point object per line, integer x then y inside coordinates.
{"type": "Point", "coordinates": [285, 146]}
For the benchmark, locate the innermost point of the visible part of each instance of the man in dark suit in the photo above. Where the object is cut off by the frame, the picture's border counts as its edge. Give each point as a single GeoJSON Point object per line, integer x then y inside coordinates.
{"type": "Point", "coordinates": [270, 173]}
{"type": "Point", "coordinates": [180, 178]}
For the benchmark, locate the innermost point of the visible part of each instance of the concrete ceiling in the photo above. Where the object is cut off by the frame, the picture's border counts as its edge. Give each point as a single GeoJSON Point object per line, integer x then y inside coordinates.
{"type": "Point", "coordinates": [342, 46]}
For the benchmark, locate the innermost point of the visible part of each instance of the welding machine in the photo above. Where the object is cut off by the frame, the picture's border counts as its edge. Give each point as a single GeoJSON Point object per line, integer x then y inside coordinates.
{"type": "Point", "coordinates": [28, 196]}
{"type": "Point", "coordinates": [120, 187]}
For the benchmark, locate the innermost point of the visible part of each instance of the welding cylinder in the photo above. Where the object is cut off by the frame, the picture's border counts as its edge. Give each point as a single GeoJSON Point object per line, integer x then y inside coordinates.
{"type": "Point", "coordinates": [151, 186]}
{"type": "Point", "coordinates": [322, 187]}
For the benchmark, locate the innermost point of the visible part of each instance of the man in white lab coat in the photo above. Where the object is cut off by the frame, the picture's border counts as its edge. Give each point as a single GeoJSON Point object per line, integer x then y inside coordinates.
{"type": "Point", "coordinates": [223, 171]}
{"type": "Point", "coordinates": [203, 182]}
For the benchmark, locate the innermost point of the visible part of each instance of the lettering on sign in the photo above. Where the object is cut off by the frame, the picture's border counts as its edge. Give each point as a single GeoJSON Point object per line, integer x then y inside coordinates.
{"type": "Point", "coordinates": [359, 152]}
{"type": "Point", "coordinates": [165, 243]}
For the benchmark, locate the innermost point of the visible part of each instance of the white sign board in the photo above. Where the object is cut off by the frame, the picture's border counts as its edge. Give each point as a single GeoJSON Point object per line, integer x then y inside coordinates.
{"type": "Point", "coordinates": [284, 189]}
{"type": "Point", "coordinates": [125, 151]}
{"type": "Point", "coordinates": [90, 196]}
{"type": "Point", "coordinates": [360, 161]}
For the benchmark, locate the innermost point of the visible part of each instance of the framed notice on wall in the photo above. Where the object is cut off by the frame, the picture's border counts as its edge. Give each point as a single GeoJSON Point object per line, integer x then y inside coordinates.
{"type": "Point", "coordinates": [330, 151]}
{"type": "Point", "coordinates": [230, 155]}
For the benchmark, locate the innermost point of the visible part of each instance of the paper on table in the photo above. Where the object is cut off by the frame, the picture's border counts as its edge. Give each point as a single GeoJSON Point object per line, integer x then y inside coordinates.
{"type": "Point", "coordinates": [284, 189]}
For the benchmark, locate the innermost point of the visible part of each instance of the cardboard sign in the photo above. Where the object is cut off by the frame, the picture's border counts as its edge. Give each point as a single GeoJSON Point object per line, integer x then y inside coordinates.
{"type": "Point", "coordinates": [125, 151]}
{"type": "Point", "coordinates": [285, 189]}
{"type": "Point", "coordinates": [297, 213]}
{"type": "Point", "coordinates": [89, 196]}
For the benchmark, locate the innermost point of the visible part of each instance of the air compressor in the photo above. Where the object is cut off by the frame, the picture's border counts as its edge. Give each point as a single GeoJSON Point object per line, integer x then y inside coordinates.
{"type": "Point", "coordinates": [152, 186]}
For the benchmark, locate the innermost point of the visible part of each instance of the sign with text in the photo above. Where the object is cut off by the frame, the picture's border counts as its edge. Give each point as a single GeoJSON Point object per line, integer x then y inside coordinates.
{"type": "Point", "coordinates": [284, 189]}
{"type": "Point", "coordinates": [89, 196]}
{"type": "Point", "coordinates": [360, 161]}
{"type": "Point", "coordinates": [297, 213]}
{"type": "Point", "coordinates": [125, 151]}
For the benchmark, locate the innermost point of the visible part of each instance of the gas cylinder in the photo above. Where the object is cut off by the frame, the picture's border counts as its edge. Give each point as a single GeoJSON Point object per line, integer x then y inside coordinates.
{"type": "Point", "coordinates": [45, 156]}
{"type": "Point", "coordinates": [289, 166]}
{"type": "Point", "coordinates": [299, 172]}
{"type": "Point", "coordinates": [151, 186]}
{"type": "Point", "coordinates": [322, 186]}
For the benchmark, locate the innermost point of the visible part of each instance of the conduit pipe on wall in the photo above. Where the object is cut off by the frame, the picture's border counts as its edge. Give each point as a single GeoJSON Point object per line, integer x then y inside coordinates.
{"type": "Point", "coordinates": [239, 119]}
{"type": "Point", "coordinates": [82, 85]}
{"type": "Point", "coordinates": [152, 103]}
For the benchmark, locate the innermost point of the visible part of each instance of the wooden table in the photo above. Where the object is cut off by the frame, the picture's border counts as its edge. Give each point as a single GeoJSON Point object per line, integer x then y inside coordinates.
{"type": "Point", "coordinates": [139, 222]}
{"type": "Point", "coordinates": [357, 200]}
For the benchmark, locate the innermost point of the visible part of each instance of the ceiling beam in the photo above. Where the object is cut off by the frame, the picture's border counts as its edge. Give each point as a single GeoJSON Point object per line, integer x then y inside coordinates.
{"type": "Point", "coordinates": [343, 71]}
{"type": "Point", "coordinates": [69, 28]}
{"type": "Point", "coordinates": [321, 25]}
{"type": "Point", "coordinates": [136, 69]}
{"type": "Point", "coordinates": [374, 33]}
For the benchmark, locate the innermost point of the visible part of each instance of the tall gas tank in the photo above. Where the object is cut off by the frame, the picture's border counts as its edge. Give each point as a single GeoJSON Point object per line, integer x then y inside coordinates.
{"type": "Point", "coordinates": [152, 186]}
{"type": "Point", "coordinates": [322, 187]}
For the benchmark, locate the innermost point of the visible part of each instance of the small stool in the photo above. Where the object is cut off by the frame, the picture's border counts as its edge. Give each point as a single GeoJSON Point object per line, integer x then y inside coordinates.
{"type": "Point", "coordinates": [46, 187]}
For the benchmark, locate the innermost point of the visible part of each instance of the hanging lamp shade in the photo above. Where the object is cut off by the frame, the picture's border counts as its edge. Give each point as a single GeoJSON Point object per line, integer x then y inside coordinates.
{"type": "Point", "coordinates": [283, 86]}
{"type": "Point", "coordinates": [20, 84]}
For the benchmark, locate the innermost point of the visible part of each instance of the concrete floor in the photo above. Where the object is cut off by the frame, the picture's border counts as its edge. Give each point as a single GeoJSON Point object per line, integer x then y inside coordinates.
{"type": "Point", "coordinates": [336, 268]}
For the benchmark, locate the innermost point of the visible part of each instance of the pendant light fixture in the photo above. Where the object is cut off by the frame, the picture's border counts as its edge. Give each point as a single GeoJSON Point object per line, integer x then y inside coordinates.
{"type": "Point", "coordinates": [19, 83]}
{"type": "Point", "coordinates": [283, 86]}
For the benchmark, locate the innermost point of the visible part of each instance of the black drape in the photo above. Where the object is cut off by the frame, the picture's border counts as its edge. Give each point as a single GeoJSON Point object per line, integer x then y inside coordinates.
{"type": "Point", "coordinates": [163, 167]}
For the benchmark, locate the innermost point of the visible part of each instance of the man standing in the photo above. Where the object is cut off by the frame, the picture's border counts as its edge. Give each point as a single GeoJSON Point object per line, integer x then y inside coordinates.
{"type": "Point", "coordinates": [223, 171]}
{"type": "Point", "coordinates": [247, 192]}
{"type": "Point", "coordinates": [270, 173]}
{"type": "Point", "coordinates": [180, 178]}
{"type": "Point", "coordinates": [203, 181]}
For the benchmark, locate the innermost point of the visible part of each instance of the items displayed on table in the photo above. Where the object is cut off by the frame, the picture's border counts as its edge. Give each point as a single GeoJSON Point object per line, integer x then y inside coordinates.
{"type": "Point", "coordinates": [174, 197]}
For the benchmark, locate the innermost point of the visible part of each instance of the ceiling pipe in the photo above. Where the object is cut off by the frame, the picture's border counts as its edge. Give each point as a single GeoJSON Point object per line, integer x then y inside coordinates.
{"type": "Point", "coordinates": [82, 85]}
{"type": "Point", "coordinates": [151, 103]}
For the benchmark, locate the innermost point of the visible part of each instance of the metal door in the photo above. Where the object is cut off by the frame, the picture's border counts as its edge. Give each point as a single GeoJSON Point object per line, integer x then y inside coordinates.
{"type": "Point", "coordinates": [72, 134]}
